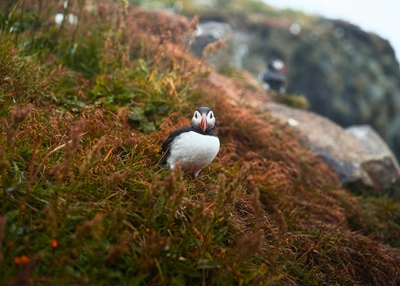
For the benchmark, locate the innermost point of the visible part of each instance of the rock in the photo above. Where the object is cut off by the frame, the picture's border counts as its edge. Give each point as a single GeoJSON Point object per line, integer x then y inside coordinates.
{"type": "Point", "coordinates": [382, 166]}
{"type": "Point", "coordinates": [357, 154]}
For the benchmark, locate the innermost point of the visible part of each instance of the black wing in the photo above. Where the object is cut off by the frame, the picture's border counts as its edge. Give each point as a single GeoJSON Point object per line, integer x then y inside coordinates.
{"type": "Point", "coordinates": [274, 77]}
{"type": "Point", "coordinates": [166, 144]}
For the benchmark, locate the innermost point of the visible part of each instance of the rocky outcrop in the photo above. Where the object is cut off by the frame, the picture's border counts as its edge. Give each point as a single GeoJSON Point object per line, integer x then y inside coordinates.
{"type": "Point", "coordinates": [349, 76]}
{"type": "Point", "coordinates": [357, 154]}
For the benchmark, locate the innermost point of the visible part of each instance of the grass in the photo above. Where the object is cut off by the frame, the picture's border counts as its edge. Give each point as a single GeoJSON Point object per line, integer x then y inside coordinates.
{"type": "Point", "coordinates": [83, 200]}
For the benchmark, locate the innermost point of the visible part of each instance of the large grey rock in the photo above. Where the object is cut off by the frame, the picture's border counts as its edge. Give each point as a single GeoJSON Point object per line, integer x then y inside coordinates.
{"type": "Point", "coordinates": [357, 154]}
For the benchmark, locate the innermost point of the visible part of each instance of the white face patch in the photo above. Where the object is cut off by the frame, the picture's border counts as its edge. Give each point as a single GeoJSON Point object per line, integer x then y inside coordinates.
{"type": "Point", "coordinates": [278, 64]}
{"type": "Point", "coordinates": [196, 118]}
{"type": "Point", "coordinates": [210, 119]}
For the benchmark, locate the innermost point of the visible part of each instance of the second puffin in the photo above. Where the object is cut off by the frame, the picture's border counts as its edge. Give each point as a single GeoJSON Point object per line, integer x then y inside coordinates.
{"type": "Point", "coordinates": [195, 146]}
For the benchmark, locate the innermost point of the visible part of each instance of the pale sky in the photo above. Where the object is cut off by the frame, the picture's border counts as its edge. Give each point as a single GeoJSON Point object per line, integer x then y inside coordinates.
{"type": "Point", "coordinates": [381, 17]}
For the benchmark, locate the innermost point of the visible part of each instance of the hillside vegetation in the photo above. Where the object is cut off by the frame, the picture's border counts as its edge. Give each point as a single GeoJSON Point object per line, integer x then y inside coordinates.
{"type": "Point", "coordinates": [85, 107]}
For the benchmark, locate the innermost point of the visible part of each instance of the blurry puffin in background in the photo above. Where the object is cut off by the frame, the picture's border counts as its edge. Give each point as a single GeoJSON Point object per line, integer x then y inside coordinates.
{"type": "Point", "coordinates": [273, 77]}
{"type": "Point", "coordinates": [195, 146]}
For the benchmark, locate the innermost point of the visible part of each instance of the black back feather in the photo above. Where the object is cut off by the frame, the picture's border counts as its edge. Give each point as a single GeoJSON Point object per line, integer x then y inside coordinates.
{"type": "Point", "coordinates": [275, 79]}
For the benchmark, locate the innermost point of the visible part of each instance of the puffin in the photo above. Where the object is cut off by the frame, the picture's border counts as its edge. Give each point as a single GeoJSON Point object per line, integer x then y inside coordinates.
{"type": "Point", "coordinates": [273, 76]}
{"type": "Point", "coordinates": [193, 147]}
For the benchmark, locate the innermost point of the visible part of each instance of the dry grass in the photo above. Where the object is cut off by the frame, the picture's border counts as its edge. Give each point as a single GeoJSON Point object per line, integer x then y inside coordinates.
{"type": "Point", "coordinates": [83, 200]}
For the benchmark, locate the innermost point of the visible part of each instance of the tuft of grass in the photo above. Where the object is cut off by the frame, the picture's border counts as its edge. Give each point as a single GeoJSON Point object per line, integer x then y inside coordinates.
{"type": "Point", "coordinates": [296, 101]}
{"type": "Point", "coordinates": [22, 79]}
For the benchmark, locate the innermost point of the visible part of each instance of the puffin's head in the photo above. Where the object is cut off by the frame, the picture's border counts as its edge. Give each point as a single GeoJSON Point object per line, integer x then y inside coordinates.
{"type": "Point", "coordinates": [277, 65]}
{"type": "Point", "coordinates": [203, 118]}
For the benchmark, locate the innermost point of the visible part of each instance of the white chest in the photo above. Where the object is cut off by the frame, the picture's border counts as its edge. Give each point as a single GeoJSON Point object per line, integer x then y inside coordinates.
{"type": "Point", "coordinates": [194, 151]}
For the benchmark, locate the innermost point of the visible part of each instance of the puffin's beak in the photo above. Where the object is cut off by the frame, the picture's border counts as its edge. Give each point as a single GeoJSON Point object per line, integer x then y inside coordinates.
{"type": "Point", "coordinates": [203, 122]}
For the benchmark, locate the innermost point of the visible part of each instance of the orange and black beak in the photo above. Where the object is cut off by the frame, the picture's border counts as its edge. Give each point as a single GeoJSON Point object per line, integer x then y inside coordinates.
{"type": "Point", "coordinates": [203, 122]}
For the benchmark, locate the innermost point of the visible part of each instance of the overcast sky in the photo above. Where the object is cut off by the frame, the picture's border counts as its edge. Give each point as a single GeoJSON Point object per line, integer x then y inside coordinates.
{"type": "Point", "coordinates": [381, 17]}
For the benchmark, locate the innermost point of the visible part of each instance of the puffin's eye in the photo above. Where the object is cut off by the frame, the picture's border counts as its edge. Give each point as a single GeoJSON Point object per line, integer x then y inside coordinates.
{"type": "Point", "coordinates": [195, 115]}
{"type": "Point", "coordinates": [211, 115]}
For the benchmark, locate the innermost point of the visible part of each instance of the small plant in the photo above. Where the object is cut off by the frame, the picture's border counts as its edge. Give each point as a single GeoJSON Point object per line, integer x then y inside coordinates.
{"type": "Point", "coordinates": [296, 101]}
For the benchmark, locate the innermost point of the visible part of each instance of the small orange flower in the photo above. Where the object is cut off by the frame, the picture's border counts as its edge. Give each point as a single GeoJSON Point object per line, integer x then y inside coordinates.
{"type": "Point", "coordinates": [54, 243]}
{"type": "Point", "coordinates": [24, 259]}
{"type": "Point", "coordinates": [17, 260]}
